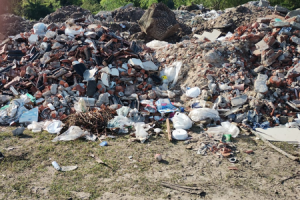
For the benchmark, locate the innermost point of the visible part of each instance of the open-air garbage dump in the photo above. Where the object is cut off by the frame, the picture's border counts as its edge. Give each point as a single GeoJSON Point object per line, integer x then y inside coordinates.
{"type": "Point", "coordinates": [226, 74]}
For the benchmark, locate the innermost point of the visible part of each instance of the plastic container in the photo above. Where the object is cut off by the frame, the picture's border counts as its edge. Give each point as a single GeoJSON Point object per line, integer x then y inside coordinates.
{"type": "Point", "coordinates": [181, 121]}
{"type": "Point", "coordinates": [193, 92]}
{"type": "Point", "coordinates": [180, 134]}
{"type": "Point", "coordinates": [56, 166]}
{"type": "Point", "coordinates": [103, 144]}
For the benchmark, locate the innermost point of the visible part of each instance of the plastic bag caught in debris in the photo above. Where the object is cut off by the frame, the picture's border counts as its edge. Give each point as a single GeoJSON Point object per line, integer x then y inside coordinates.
{"type": "Point", "coordinates": [193, 92]}
{"type": "Point", "coordinates": [73, 30]}
{"type": "Point", "coordinates": [119, 122]}
{"type": "Point", "coordinates": [73, 133]}
{"type": "Point", "coordinates": [225, 128]}
{"type": "Point", "coordinates": [39, 29]}
{"type": "Point", "coordinates": [165, 106]}
{"type": "Point", "coordinates": [54, 127]}
{"type": "Point", "coordinates": [80, 106]}
{"type": "Point", "coordinates": [200, 114]}
{"type": "Point", "coordinates": [172, 72]}
{"type": "Point", "coordinates": [30, 116]}
{"type": "Point", "coordinates": [36, 127]}
{"type": "Point", "coordinates": [141, 133]}
{"type": "Point", "coordinates": [123, 111]}
{"type": "Point", "coordinates": [156, 44]}
{"type": "Point", "coordinates": [181, 121]}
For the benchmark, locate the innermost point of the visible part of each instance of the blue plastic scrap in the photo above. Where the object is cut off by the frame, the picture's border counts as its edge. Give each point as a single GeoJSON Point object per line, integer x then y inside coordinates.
{"type": "Point", "coordinates": [165, 106]}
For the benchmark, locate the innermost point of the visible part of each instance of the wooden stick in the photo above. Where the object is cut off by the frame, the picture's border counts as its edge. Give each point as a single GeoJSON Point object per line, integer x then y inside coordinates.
{"type": "Point", "coordinates": [191, 190]}
{"type": "Point", "coordinates": [169, 130]}
{"type": "Point", "coordinates": [276, 148]}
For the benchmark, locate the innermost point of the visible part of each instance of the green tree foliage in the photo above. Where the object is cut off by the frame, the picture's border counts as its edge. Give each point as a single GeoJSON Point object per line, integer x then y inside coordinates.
{"type": "Point", "coordinates": [35, 9]}
{"type": "Point", "coordinates": [92, 5]}
{"type": "Point", "coordinates": [113, 4]}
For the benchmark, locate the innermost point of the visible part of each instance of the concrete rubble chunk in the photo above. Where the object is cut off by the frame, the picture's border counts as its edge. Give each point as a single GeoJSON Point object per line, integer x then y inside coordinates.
{"type": "Point", "coordinates": [295, 25]}
{"type": "Point", "coordinates": [279, 24]}
{"type": "Point", "coordinates": [293, 13]}
{"type": "Point", "coordinates": [281, 9]}
{"type": "Point", "coordinates": [135, 62]}
{"type": "Point", "coordinates": [212, 56]}
{"type": "Point", "coordinates": [260, 83]}
{"type": "Point", "coordinates": [159, 22]}
{"type": "Point", "coordinates": [240, 100]}
{"type": "Point", "coordinates": [263, 3]}
{"type": "Point", "coordinates": [295, 40]}
{"type": "Point", "coordinates": [149, 66]}
{"type": "Point", "coordinates": [212, 36]}
{"type": "Point", "coordinates": [105, 79]}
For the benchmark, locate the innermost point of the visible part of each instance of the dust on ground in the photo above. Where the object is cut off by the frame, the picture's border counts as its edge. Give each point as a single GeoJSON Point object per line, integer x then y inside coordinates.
{"type": "Point", "coordinates": [27, 173]}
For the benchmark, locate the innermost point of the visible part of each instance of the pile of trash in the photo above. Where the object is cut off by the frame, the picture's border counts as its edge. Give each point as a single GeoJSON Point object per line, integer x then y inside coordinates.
{"type": "Point", "coordinates": [249, 76]}
{"type": "Point", "coordinates": [229, 19]}
{"type": "Point", "coordinates": [81, 79]}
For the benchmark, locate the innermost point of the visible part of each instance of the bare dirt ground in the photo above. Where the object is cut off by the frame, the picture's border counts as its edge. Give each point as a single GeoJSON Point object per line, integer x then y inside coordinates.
{"type": "Point", "coordinates": [26, 171]}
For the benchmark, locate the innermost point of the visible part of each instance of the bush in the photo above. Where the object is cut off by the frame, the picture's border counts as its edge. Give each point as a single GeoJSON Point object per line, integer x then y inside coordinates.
{"type": "Point", "coordinates": [92, 5]}
{"type": "Point", "coordinates": [113, 4]}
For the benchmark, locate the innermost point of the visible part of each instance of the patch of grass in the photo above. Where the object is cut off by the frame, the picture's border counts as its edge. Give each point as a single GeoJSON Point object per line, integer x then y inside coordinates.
{"type": "Point", "coordinates": [289, 148]}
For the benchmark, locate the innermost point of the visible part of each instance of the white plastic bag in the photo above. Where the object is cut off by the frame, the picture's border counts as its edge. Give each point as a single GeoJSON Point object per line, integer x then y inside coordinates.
{"type": "Point", "coordinates": [73, 30]}
{"type": "Point", "coordinates": [140, 133]}
{"type": "Point", "coordinates": [156, 44]}
{"type": "Point", "coordinates": [36, 127]}
{"type": "Point", "coordinates": [200, 114]}
{"type": "Point", "coordinates": [40, 29]}
{"type": "Point", "coordinates": [73, 133]}
{"type": "Point", "coordinates": [225, 128]}
{"type": "Point", "coordinates": [80, 106]}
{"type": "Point", "coordinates": [181, 121]}
{"type": "Point", "coordinates": [54, 127]}
{"type": "Point", "coordinates": [193, 92]}
{"type": "Point", "coordinates": [172, 72]}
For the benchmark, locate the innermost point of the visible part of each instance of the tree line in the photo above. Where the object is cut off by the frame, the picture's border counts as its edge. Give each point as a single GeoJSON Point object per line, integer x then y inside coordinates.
{"type": "Point", "coordinates": [36, 9]}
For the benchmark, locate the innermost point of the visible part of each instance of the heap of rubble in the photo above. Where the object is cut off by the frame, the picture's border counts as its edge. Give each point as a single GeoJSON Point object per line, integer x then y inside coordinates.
{"type": "Point", "coordinates": [249, 77]}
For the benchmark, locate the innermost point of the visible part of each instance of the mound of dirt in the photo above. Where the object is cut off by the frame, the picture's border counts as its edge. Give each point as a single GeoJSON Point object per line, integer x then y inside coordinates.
{"type": "Point", "coordinates": [131, 14]}
{"type": "Point", "coordinates": [64, 13]}
{"type": "Point", "coordinates": [12, 24]}
{"type": "Point", "coordinates": [233, 18]}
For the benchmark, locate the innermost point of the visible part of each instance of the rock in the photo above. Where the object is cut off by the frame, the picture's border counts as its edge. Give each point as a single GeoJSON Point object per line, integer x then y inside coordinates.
{"type": "Point", "coordinates": [263, 3]}
{"type": "Point", "coordinates": [18, 131]}
{"type": "Point", "coordinates": [279, 24]}
{"type": "Point", "coordinates": [268, 57]}
{"type": "Point", "coordinates": [295, 39]}
{"type": "Point", "coordinates": [129, 90]}
{"type": "Point", "coordinates": [295, 25]}
{"type": "Point", "coordinates": [281, 9]}
{"type": "Point", "coordinates": [158, 157]}
{"type": "Point", "coordinates": [135, 62]}
{"type": "Point", "coordinates": [149, 66]}
{"type": "Point", "coordinates": [240, 100]}
{"type": "Point", "coordinates": [293, 13]}
{"type": "Point", "coordinates": [103, 99]}
{"type": "Point", "coordinates": [260, 83]}
{"type": "Point", "coordinates": [159, 22]}
{"type": "Point", "coordinates": [53, 88]}
{"type": "Point", "coordinates": [212, 57]}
